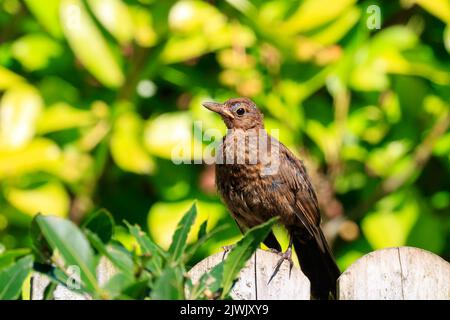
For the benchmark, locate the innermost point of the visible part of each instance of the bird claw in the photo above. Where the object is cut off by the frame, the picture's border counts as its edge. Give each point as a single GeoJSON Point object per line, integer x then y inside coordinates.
{"type": "Point", "coordinates": [287, 255]}
{"type": "Point", "coordinates": [227, 249]}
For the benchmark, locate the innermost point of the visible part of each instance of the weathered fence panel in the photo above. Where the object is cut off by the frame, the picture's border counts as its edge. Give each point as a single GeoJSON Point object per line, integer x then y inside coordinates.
{"type": "Point", "coordinates": [396, 274]}
{"type": "Point", "coordinates": [39, 282]}
{"type": "Point", "coordinates": [253, 283]}
{"type": "Point", "coordinates": [388, 274]}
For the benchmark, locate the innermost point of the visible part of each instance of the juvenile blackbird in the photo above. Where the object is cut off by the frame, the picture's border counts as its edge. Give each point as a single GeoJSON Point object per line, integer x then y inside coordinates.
{"type": "Point", "coordinates": [259, 178]}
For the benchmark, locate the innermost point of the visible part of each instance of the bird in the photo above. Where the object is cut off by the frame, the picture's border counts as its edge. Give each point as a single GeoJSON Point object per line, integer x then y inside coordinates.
{"type": "Point", "coordinates": [259, 178]}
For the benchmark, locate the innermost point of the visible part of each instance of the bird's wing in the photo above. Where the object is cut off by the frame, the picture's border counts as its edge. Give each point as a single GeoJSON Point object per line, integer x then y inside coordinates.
{"type": "Point", "coordinates": [292, 173]}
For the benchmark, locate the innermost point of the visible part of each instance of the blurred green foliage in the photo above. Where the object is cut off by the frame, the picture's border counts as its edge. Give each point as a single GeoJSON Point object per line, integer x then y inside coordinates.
{"type": "Point", "coordinates": [96, 94]}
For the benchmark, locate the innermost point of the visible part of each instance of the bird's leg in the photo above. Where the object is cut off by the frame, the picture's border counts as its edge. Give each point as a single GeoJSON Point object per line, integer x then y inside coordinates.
{"type": "Point", "coordinates": [287, 255]}
{"type": "Point", "coordinates": [227, 249]}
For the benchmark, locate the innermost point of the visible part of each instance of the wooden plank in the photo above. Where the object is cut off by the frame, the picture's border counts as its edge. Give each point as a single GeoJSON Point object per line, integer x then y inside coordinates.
{"type": "Point", "coordinates": [253, 279]}
{"type": "Point", "coordinates": [286, 285]}
{"type": "Point", "coordinates": [396, 274]}
{"type": "Point", "coordinates": [426, 276]}
{"type": "Point", "coordinates": [39, 282]}
{"type": "Point", "coordinates": [376, 276]}
{"type": "Point", "coordinates": [244, 289]}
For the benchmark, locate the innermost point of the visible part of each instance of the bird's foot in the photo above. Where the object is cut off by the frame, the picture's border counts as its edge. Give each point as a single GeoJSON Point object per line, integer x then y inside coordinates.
{"type": "Point", "coordinates": [227, 249]}
{"type": "Point", "coordinates": [287, 255]}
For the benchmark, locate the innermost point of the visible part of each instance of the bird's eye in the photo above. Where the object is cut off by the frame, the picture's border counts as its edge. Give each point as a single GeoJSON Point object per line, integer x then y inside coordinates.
{"type": "Point", "coordinates": [240, 111]}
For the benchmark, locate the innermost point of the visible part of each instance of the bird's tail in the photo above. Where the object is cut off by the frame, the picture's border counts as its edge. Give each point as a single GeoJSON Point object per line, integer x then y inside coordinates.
{"type": "Point", "coordinates": [318, 264]}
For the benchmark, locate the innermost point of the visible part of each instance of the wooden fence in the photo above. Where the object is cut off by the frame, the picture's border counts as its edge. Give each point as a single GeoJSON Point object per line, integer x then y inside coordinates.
{"type": "Point", "coordinates": [402, 273]}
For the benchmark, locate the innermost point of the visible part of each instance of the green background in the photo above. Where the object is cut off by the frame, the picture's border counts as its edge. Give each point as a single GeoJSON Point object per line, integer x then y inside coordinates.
{"type": "Point", "coordinates": [95, 95]}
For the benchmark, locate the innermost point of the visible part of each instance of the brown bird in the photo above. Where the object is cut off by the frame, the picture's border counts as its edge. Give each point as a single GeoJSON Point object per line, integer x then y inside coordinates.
{"type": "Point", "coordinates": [259, 178]}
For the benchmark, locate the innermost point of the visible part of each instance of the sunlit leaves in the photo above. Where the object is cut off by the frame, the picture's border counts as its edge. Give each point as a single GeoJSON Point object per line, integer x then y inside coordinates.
{"type": "Point", "coordinates": [384, 161]}
{"type": "Point", "coordinates": [442, 146]}
{"type": "Point", "coordinates": [8, 78]}
{"type": "Point", "coordinates": [195, 36]}
{"type": "Point", "coordinates": [50, 198]}
{"type": "Point", "coordinates": [187, 16]}
{"type": "Point", "coordinates": [312, 13]}
{"type": "Point", "coordinates": [447, 38]}
{"type": "Point", "coordinates": [144, 33]}
{"type": "Point", "coordinates": [40, 154]}
{"type": "Point", "coordinates": [384, 55]}
{"type": "Point", "coordinates": [115, 16]}
{"type": "Point", "coordinates": [127, 146]}
{"type": "Point", "coordinates": [171, 136]}
{"type": "Point", "coordinates": [62, 116]}
{"type": "Point", "coordinates": [47, 15]}
{"type": "Point", "coordinates": [20, 108]}
{"type": "Point", "coordinates": [439, 8]}
{"type": "Point", "coordinates": [35, 51]}
{"type": "Point", "coordinates": [73, 131]}
{"type": "Point", "coordinates": [401, 219]}
{"type": "Point", "coordinates": [163, 219]}
{"type": "Point", "coordinates": [88, 43]}
{"type": "Point", "coordinates": [338, 28]}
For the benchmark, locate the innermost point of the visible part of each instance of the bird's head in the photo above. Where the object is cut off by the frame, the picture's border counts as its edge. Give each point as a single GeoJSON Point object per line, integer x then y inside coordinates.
{"type": "Point", "coordinates": [238, 113]}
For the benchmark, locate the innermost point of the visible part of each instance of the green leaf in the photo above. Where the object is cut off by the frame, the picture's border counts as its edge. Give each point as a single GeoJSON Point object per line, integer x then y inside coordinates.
{"type": "Point", "coordinates": [47, 15]}
{"type": "Point", "coordinates": [211, 280]}
{"type": "Point", "coordinates": [438, 8]}
{"type": "Point", "coordinates": [39, 154]}
{"type": "Point", "coordinates": [12, 278]}
{"type": "Point", "coordinates": [89, 44]}
{"type": "Point", "coordinates": [314, 13]}
{"type": "Point", "coordinates": [137, 290]}
{"type": "Point", "coordinates": [447, 37]}
{"type": "Point", "coordinates": [40, 245]}
{"type": "Point", "coordinates": [169, 286]}
{"type": "Point", "coordinates": [202, 229]}
{"type": "Point", "coordinates": [243, 250]}
{"type": "Point", "coordinates": [147, 245]}
{"type": "Point", "coordinates": [202, 238]}
{"type": "Point", "coordinates": [50, 197]}
{"type": "Point", "coordinates": [9, 79]}
{"type": "Point", "coordinates": [7, 258]}
{"type": "Point", "coordinates": [116, 285]}
{"type": "Point", "coordinates": [115, 17]}
{"type": "Point", "coordinates": [73, 247]}
{"type": "Point", "coordinates": [20, 107]}
{"type": "Point", "coordinates": [49, 291]}
{"type": "Point", "coordinates": [149, 249]}
{"type": "Point", "coordinates": [121, 259]}
{"type": "Point", "coordinates": [179, 240]}
{"type": "Point", "coordinates": [36, 51]}
{"type": "Point", "coordinates": [127, 147]}
{"type": "Point", "coordinates": [101, 223]}
{"type": "Point", "coordinates": [62, 116]}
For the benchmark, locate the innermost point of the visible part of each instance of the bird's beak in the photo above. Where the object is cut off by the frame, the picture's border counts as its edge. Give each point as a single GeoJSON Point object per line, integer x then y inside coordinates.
{"type": "Point", "coordinates": [218, 108]}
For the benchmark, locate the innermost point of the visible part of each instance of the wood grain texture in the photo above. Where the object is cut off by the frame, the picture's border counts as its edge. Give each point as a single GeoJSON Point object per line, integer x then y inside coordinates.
{"type": "Point", "coordinates": [39, 282]}
{"type": "Point", "coordinates": [402, 273]}
{"type": "Point", "coordinates": [389, 274]}
{"type": "Point", "coordinates": [253, 279]}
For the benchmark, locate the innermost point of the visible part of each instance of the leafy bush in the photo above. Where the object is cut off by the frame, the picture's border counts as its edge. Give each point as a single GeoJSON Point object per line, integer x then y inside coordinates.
{"type": "Point", "coordinates": [144, 272]}
{"type": "Point", "coordinates": [93, 107]}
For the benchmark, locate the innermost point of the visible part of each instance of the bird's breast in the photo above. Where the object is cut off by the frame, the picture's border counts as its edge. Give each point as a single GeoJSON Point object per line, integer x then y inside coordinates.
{"type": "Point", "coordinates": [243, 176]}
